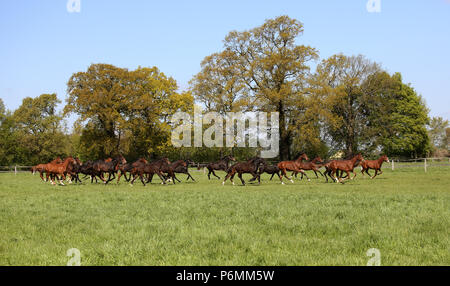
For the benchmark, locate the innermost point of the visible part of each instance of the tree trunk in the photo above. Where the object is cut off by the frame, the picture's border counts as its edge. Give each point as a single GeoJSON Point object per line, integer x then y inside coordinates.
{"type": "Point", "coordinates": [284, 136]}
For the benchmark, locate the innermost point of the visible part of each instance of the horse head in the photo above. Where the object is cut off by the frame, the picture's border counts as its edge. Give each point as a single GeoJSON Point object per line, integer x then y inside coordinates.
{"type": "Point", "coordinates": [303, 156]}
{"type": "Point", "coordinates": [317, 160]}
{"type": "Point", "coordinates": [229, 158]}
{"type": "Point", "coordinates": [384, 158]}
{"type": "Point", "coordinates": [358, 157]}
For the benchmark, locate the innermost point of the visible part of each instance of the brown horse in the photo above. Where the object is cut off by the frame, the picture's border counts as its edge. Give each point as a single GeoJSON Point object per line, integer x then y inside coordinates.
{"type": "Point", "coordinates": [292, 166]}
{"type": "Point", "coordinates": [127, 167]}
{"type": "Point", "coordinates": [110, 167]}
{"type": "Point", "coordinates": [373, 164]}
{"type": "Point", "coordinates": [345, 166]}
{"type": "Point", "coordinates": [142, 169]}
{"type": "Point", "coordinates": [59, 169]}
{"type": "Point", "coordinates": [41, 168]}
{"type": "Point", "coordinates": [168, 170]}
{"type": "Point", "coordinates": [250, 167]}
{"type": "Point", "coordinates": [313, 165]}
{"type": "Point", "coordinates": [183, 169]}
{"type": "Point", "coordinates": [222, 164]}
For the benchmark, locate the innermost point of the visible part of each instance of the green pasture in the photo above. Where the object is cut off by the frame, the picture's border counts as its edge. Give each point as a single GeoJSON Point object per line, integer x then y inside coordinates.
{"type": "Point", "coordinates": [403, 213]}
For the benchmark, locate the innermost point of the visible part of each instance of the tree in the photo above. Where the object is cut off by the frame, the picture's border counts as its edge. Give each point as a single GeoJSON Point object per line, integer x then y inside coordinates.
{"type": "Point", "coordinates": [404, 129]}
{"type": "Point", "coordinates": [437, 132]}
{"type": "Point", "coordinates": [119, 109]}
{"type": "Point", "coordinates": [2, 110]}
{"type": "Point", "coordinates": [338, 90]}
{"type": "Point", "coordinates": [38, 130]}
{"type": "Point", "coordinates": [261, 69]}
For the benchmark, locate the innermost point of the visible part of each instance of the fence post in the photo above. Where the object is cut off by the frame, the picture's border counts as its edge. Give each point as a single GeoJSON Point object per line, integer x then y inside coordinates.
{"type": "Point", "coordinates": [15, 170]}
{"type": "Point", "coordinates": [393, 164]}
{"type": "Point", "coordinates": [425, 165]}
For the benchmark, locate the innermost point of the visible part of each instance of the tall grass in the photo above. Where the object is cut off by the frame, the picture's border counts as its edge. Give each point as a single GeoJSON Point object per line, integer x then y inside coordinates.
{"type": "Point", "coordinates": [405, 214]}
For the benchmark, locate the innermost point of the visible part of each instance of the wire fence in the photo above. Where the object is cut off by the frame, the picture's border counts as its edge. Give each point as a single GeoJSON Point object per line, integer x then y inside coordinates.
{"type": "Point", "coordinates": [422, 163]}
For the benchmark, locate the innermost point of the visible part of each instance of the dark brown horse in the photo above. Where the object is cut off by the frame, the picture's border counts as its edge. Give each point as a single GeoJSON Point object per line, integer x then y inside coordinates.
{"type": "Point", "coordinates": [142, 169]}
{"type": "Point", "coordinates": [181, 169]}
{"type": "Point", "coordinates": [374, 165]}
{"type": "Point", "coordinates": [250, 167]}
{"type": "Point", "coordinates": [222, 164]}
{"type": "Point", "coordinates": [269, 169]}
{"type": "Point", "coordinates": [74, 169]}
{"type": "Point", "coordinates": [345, 166]}
{"type": "Point", "coordinates": [110, 167]}
{"type": "Point", "coordinates": [168, 170]}
{"type": "Point", "coordinates": [127, 167]}
{"type": "Point", "coordinates": [291, 166]}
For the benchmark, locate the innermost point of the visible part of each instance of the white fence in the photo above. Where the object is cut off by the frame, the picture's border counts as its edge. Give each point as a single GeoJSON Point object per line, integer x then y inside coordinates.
{"type": "Point", "coordinates": [422, 163]}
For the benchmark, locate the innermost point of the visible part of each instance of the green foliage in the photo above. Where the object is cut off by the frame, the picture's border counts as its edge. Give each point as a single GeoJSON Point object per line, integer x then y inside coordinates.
{"type": "Point", "coordinates": [33, 133]}
{"type": "Point", "coordinates": [405, 133]}
{"type": "Point", "coordinates": [260, 69]}
{"type": "Point", "coordinates": [123, 111]}
{"type": "Point", "coordinates": [437, 133]}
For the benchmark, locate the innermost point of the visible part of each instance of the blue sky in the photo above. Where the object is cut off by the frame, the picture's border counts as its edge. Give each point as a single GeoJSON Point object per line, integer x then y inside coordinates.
{"type": "Point", "coordinates": [42, 44]}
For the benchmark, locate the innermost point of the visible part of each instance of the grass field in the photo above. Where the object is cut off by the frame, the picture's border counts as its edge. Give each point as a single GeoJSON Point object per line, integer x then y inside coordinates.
{"type": "Point", "coordinates": [405, 214]}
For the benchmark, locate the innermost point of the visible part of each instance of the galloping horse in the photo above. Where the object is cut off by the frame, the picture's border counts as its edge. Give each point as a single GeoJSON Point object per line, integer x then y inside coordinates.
{"type": "Point", "coordinates": [292, 166]}
{"type": "Point", "coordinates": [149, 168]}
{"type": "Point", "coordinates": [373, 164]}
{"type": "Point", "coordinates": [345, 166]}
{"type": "Point", "coordinates": [74, 169]}
{"type": "Point", "coordinates": [103, 166]}
{"type": "Point", "coordinates": [124, 168]}
{"type": "Point", "coordinates": [269, 169]}
{"type": "Point", "coordinates": [59, 169]}
{"type": "Point", "coordinates": [310, 166]}
{"type": "Point", "coordinates": [183, 169]}
{"type": "Point", "coordinates": [222, 164]}
{"type": "Point", "coordinates": [41, 168]}
{"type": "Point", "coordinates": [251, 167]}
{"type": "Point", "coordinates": [169, 169]}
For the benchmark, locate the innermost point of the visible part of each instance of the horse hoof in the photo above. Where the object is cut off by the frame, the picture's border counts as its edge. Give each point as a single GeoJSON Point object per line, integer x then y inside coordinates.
{"type": "Point", "coordinates": [292, 181]}
{"type": "Point", "coordinates": [282, 183]}
{"type": "Point", "coordinates": [223, 183]}
{"type": "Point", "coordinates": [309, 180]}
{"type": "Point", "coordinates": [232, 183]}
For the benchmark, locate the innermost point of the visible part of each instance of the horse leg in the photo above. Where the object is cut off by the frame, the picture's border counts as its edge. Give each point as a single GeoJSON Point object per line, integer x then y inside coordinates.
{"type": "Point", "coordinates": [259, 177]}
{"type": "Point", "coordinates": [376, 173]}
{"type": "Point", "coordinates": [142, 179]}
{"type": "Point", "coordinates": [333, 174]}
{"type": "Point", "coordinates": [160, 175]}
{"type": "Point", "coordinates": [283, 174]}
{"type": "Point", "coordinates": [109, 178]}
{"type": "Point", "coordinates": [215, 174]}
{"type": "Point", "coordinates": [272, 176]}
{"type": "Point", "coordinates": [304, 173]}
{"type": "Point", "coordinates": [150, 178]}
{"type": "Point", "coordinates": [190, 176]}
{"type": "Point", "coordinates": [354, 175]}
{"type": "Point", "coordinates": [240, 177]}
{"type": "Point", "coordinates": [63, 177]}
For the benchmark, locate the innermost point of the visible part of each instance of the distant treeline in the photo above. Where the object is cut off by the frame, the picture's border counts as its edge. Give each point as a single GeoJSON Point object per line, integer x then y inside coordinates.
{"type": "Point", "coordinates": [349, 104]}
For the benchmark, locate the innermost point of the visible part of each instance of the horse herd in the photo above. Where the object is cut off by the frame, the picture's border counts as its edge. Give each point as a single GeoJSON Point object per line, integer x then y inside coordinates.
{"type": "Point", "coordinates": [71, 168]}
